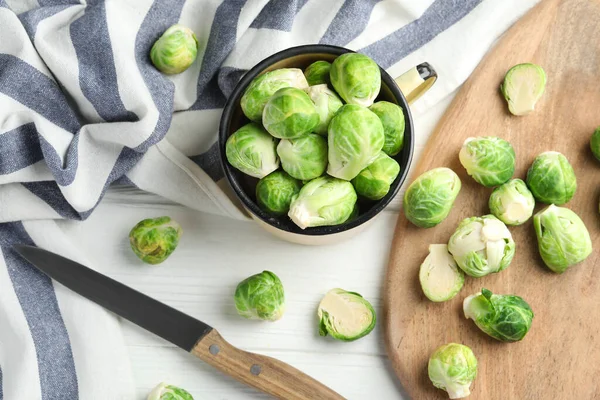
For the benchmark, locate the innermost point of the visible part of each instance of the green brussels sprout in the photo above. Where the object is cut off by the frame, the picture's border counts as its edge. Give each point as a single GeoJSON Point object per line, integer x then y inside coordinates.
{"type": "Point", "coordinates": [595, 143]}
{"type": "Point", "coordinates": [374, 181]}
{"type": "Point", "coordinates": [260, 296]}
{"type": "Point", "coordinates": [169, 392]}
{"type": "Point", "coordinates": [482, 245]}
{"type": "Point", "coordinates": [504, 317]}
{"type": "Point", "coordinates": [355, 138]}
{"type": "Point", "coordinates": [523, 86]}
{"type": "Point", "coordinates": [346, 316]}
{"type": "Point", "coordinates": [440, 277]}
{"type": "Point", "coordinates": [356, 78]}
{"type": "Point", "coordinates": [327, 103]}
{"type": "Point", "coordinates": [563, 239]}
{"type": "Point", "coordinates": [429, 199]}
{"type": "Point", "coordinates": [154, 239]}
{"type": "Point", "coordinates": [290, 113]}
{"type": "Point", "coordinates": [323, 201]}
{"type": "Point", "coordinates": [453, 367]}
{"type": "Point", "coordinates": [317, 73]}
{"type": "Point", "coordinates": [175, 50]}
{"type": "Point", "coordinates": [392, 119]}
{"type": "Point", "coordinates": [551, 178]}
{"type": "Point", "coordinates": [252, 150]}
{"type": "Point", "coordinates": [512, 202]}
{"type": "Point", "coordinates": [489, 160]}
{"type": "Point", "coordinates": [264, 86]}
{"type": "Point", "coordinates": [305, 157]}
{"type": "Point", "coordinates": [274, 192]}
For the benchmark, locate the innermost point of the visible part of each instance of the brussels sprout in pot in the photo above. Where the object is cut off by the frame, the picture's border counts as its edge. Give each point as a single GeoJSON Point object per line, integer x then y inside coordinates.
{"type": "Point", "coordinates": [300, 58]}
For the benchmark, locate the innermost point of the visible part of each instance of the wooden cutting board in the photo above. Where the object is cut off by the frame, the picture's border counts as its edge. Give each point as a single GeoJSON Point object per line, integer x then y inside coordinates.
{"type": "Point", "coordinates": [560, 357]}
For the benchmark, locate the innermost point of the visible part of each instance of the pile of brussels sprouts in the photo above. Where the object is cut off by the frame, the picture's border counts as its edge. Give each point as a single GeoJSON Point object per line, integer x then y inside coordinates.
{"type": "Point", "coordinates": [482, 245]}
{"type": "Point", "coordinates": [317, 141]}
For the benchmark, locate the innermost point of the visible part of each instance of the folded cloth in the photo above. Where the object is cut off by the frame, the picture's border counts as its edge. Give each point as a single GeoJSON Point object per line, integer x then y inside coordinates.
{"type": "Point", "coordinates": [82, 107]}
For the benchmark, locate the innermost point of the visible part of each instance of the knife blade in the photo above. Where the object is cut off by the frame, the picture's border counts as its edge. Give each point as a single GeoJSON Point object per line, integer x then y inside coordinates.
{"type": "Point", "coordinates": [196, 337]}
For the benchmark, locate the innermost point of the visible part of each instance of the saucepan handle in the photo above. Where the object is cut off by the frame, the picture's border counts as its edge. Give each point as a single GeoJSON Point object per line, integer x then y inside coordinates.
{"type": "Point", "coordinates": [416, 81]}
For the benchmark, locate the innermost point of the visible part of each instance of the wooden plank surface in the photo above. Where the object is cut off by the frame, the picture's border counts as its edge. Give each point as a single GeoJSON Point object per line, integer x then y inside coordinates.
{"type": "Point", "coordinates": [559, 358]}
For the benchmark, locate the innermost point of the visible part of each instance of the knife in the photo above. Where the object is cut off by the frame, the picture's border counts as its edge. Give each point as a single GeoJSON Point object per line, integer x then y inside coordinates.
{"type": "Point", "coordinates": [203, 341]}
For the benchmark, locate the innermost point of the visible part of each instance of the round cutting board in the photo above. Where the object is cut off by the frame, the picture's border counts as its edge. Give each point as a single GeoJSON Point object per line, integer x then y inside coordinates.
{"type": "Point", "coordinates": [560, 356]}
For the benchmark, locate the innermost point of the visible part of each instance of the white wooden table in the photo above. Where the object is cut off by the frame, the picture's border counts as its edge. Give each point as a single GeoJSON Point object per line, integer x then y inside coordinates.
{"type": "Point", "coordinates": [214, 254]}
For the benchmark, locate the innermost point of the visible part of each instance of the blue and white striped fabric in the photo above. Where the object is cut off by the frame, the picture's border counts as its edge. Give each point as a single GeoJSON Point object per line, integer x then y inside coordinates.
{"type": "Point", "coordinates": [81, 107]}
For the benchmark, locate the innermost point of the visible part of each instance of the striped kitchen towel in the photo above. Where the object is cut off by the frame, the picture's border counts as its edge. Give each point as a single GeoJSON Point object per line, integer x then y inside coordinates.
{"type": "Point", "coordinates": [81, 108]}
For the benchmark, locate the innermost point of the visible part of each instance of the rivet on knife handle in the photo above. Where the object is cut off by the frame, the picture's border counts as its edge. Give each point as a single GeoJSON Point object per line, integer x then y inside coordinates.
{"type": "Point", "coordinates": [264, 373]}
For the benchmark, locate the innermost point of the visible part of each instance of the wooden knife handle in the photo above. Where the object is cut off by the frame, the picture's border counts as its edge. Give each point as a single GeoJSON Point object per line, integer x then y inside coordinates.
{"type": "Point", "coordinates": [264, 373]}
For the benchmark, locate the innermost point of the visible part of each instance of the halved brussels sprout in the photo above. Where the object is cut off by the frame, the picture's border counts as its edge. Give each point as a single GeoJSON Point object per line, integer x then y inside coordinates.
{"type": "Point", "coordinates": [489, 160]}
{"type": "Point", "coordinates": [429, 199]}
{"type": "Point", "coordinates": [523, 86]}
{"type": "Point", "coordinates": [275, 191]}
{"type": "Point", "coordinates": [169, 392]}
{"type": "Point", "coordinates": [260, 296]}
{"type": "Point", "coordinates": [453, 367]}
{"type": "Point", "coordinates": [289, 114]}
{"type": "Point", "coordinates": [252, 150]}
{"type": "Point", "coordinates": [512, 202]}
{"type": "Point", "coordinates": [551, 178]}
{"type": "Point", "coordinates": [175, 50]}
{"type": "Point", "coordinates": [374, 181]}
{"type": "Point", "coordinates": [317, 73]}
{"type": "Point", "coordinates": [303, 158]}
{"type": "Point", "coordinates": [563, 239]}
{"type": "Point", "coordinates": [503, 317]}
{"type": "Point", "coordinates": [264, 86]}
{"type": "Point", "coordinates": [323, 201]}
{"type": "Point", "coordinates": [346, 316]}
{"type": "Point", "coordinates": [327, 103]}
{"type": "Point", "coordinates": [356, 78]}
{"type": "Point", "coordinates": [153, 240]}
{"type": "Point", "coordinates": [440, 277]}
{"type": "Point", "coordinates": [482, 245]}
{"type": "Point", "coordinates": [392, 119]}
{"type": "Point", "coordinates": [595, 143]}
{"type": "Point", "coordinates": [355, 138]}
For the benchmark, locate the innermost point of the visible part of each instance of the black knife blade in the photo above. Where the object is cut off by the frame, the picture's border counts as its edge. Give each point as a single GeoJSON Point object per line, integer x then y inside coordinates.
{"type": "Point", "coordinates": [152, 315]}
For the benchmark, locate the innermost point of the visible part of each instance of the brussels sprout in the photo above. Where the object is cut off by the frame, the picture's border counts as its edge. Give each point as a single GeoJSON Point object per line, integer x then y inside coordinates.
{"type": "Point", "coordinates": [327, 103]}
{"type": "Point", "coordinates": [429, 199]}
{"type": "Point", "coordinates": [355, 138]}
{"type": "Point", "coordinates": [274, 192]}
{"type": "Point", "coordinates": [482, 245]}
{"type": "Point", "coordinates": [551, 178]}
{"type": "Point", "coordinates": [489, 160]}
{"type": "Point", "coordinates": [169, 392]}
{"type": "Point", "coordinates": [303, 158]}
{"type": "Point", "coordinates": [260, 296]}
{"type": "Point", "coordinates": [440, 277]}
{"type": "Point", "coordinates": [523, 86]}
{"type": "Point", "coordinates": [356, 78]}
{"type": "Point", "coordinates": [453, 367]}
{"type": "Point", "coordinates": [154, 239]}
{"type": "Point", "coordinates": [346, 316]}
{"type": "Point", "coordinates": [374, 181]}
{"type": "Point", "coordinates": [175, 50]}
{"type": "Point", "coordinates": [595, 143]}
{"type": "Point", "coordinates": [503, 317]}
{"type": "Point", "coordinates": [252, 150]}
{"type": "Point", "coordinates": [290, 113]}
{"type": "Point", "coordinates": [323, 201]}
{"type": "Point", "coordinates": [317, 73]}
{"type": "Point", "coordinates": [392, 119]}
{"type": "Point", "coordinates": [264, 86]}
{"type": "Point", "coordinates": [512, 203]}
{"type": "Point", "coordinates": [563, 239]}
